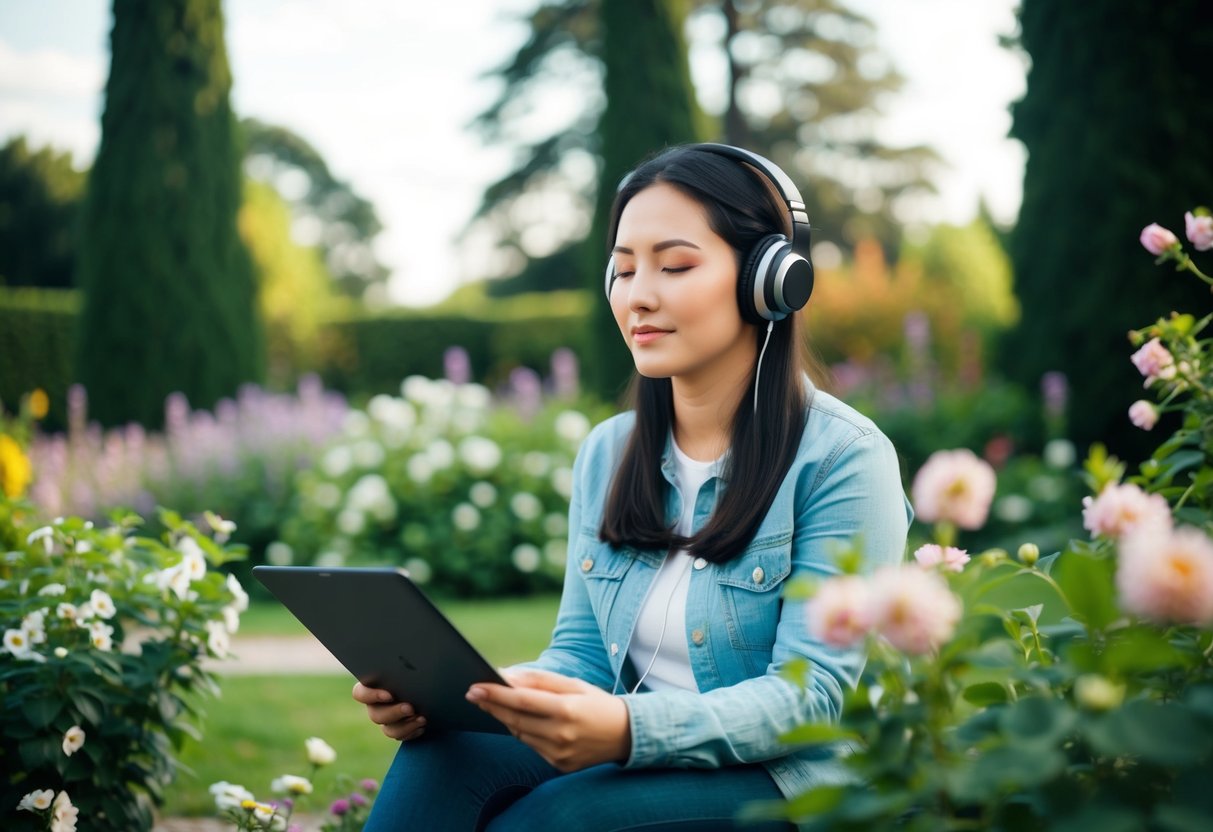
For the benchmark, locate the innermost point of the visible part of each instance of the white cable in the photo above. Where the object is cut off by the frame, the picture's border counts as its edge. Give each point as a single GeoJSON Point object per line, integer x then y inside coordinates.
{"type": "Point", "coordinates": [758, 369]}
{"type": "Point", "coordinates": [665, 621]}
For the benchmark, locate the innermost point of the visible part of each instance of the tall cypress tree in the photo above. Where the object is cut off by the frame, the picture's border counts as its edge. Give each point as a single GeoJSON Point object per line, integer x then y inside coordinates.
{"type": "Point", "coordinates": [1116, 121]}
{"type": "Point", "coordinates": [169, 290]}
{"type": "Point", "coordinates": [650, 105]}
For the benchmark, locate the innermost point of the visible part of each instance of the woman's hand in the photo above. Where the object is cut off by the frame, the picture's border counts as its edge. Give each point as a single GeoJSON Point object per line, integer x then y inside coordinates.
{"type": "Point", "coordinates": [395, 719]}
{"type": "Point", "coordinates": [571, 723]}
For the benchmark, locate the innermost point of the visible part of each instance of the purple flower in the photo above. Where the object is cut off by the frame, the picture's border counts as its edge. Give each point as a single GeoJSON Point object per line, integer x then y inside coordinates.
{"type": "Point", "coordinates": [340, 806]}
{"type": "Point", "coordinates": [369, 786]}
{"type": "Point", "coordinates": [456, 365]}
{"type": "Point", "coordinates": [357, 799]}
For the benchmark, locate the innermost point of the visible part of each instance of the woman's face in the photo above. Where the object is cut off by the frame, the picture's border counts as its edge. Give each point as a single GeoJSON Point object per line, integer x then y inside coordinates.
{"type": "Point", "coordinates": [675, 292]}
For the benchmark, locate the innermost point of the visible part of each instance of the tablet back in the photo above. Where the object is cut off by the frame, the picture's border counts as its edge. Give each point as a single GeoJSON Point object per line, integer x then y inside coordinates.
{"type": "Point", "coordinates": [384, 630]}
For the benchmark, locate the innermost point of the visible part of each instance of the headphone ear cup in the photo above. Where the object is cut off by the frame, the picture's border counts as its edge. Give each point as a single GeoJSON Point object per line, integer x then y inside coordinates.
{"type": "Point", "coordinates": [609, 280]}
{"type": "Point", "coordinates": [754, 309]}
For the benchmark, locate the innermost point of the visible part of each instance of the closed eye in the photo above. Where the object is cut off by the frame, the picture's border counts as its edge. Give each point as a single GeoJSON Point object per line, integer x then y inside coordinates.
{"type": "Point", "coordinates": [677, 269]}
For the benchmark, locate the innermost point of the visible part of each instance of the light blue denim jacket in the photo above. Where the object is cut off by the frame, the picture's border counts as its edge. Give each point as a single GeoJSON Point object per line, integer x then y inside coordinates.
{"type": "Point", "coordinates": [845, 481]}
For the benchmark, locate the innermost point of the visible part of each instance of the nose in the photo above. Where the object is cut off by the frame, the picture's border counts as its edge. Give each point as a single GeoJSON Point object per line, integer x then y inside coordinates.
{"type": "Point", "coordinates": [642, 289]}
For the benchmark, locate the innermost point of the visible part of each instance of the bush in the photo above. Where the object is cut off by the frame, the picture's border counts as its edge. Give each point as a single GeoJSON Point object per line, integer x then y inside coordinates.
{"type": "Point", "coordinates": [37, 340]}
{"type": "Point", "coordinates": [470, 498]}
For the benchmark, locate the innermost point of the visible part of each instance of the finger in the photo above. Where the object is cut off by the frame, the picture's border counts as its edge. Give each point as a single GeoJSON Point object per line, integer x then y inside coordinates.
{"type": "Point", "coordinates": [389, 714]}
{"type": "Point", "coordinates": [545, 680]}
{"type": "Point", "coordinates": [406, 729]}
{"type": "Point", "coordinates": [370, 696]}
{"type": "Point", "coordinates": [527, 700]}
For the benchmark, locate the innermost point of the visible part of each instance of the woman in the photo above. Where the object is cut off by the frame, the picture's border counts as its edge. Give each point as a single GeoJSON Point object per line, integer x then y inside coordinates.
{"type": "Point", "coordinates": [660, 701]}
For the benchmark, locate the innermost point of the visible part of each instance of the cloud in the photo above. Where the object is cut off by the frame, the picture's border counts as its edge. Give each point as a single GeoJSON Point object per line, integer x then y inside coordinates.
{"type": "Point", "coordinates": [49, 72]}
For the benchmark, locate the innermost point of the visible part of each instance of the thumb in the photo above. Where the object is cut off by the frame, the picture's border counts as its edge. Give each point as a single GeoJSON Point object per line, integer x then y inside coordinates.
{"type": "Point", "coordinates": [545, 680]}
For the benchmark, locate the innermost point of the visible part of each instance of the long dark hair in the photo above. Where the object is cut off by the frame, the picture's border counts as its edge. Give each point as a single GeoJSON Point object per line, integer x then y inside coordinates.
{"type": "Point", "coordinates": [741, 207]}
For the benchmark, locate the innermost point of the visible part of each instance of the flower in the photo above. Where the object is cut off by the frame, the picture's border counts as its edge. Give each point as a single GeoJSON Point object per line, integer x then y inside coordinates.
{"type": "Point", "coordinates": [947, 557]}
{"type": "Point", "coordinates": [465, 517]}
{"type": "Point", "coordinates": [53, 589]}
{"type": "Point", "coordinates": [63, 814]}
{"type": "Point", "coordinates": [840, 613]}
{"type": "Point", "coordinates": [217, 639]}
{"type": "Point", "coordinates": [37, 800]}
{"type": "Point", "coordinates": [319, 752]}
{"type": "Point", "coordinates": [526, 506]}
{"type": "Point", "coordinates": [73, 740]}
{"type": "Point", "coordinates": [229, 795]}
{"type": "Point", "coordinates": [1199, 231]}
{"type": "Point", "coordinates": [1154, 361]}
{"type": "Point", "coordinates": [101, 636]}
{"type": "Point", "coordinates": [1157, 239]}
{"type": "Point", "coordinates": [102, 604]}
{"type": "Point", "coordinates": [956, 486]}
{"type": "Point", "coordinates": [290, 783]}
{"type": "Point", "coordinates": [15, 469]}
{"type": "Point", "coordinates": [39, 404]}
{"type": "Point", "coordinates": [340, 806]}
{"type": "Point", "coordinates": [1121, 509]}
{"type": "Point", "coordinates": [526, 557]}
{"type": "Point", "coordinates": [1143, 414]}
{"type": "Point", "coordinates": [914, 609]}
{"type": "Point", "coordinates": [1029, 553]}
{"type": "Point", "coordinates": [369, 786]}
{"type": "Point", "coordinates": [572, 426]}
{"type": "Point", "coordinates": [238, 593]}
{"type": "Point", "coordinates": [1097, 693]}
{"type": "Point", "coordinates": [1167, 577]}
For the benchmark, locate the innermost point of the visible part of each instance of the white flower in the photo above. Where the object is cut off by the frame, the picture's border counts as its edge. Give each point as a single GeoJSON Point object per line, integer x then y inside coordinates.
{"type": "Point", "coordinates": [73, 740]}
{"type": "Point", "coordinates": [319, 752]}
{"type": "Point", "coordinates": [290, 784]}
{"type": "Point", "coordinates": [336, 461]}
{"type": "Point", "coordinates": [351, 522]}
{"type": "Point", "coordinates": [102, 604]}
{"type": "Point", "coordinates": [231, 619]}
{"type": "Point", "coordinates": [1059, 453]}
{"type": "Point", "coordinates": [392, 412]}
{"type": "Point", "coordinates": [441, 454]}
{"type": "Point", "coordinates": [483, 494]}
{"type": "Point", "coordinates": [17, 642]}
{"type": "Point", "coordinates": [52, 589]}
{"type": "Point", "coordinates": [63, 814]}
{"type": "Point", "coordinates": [46, 534]}
{"type": "Point", "coordinates": [330, 559]}
{"type": "Point", "coordinates": [556, 551]}
{"type": "Point", "coordinates": [525, 557]}
{"type": "Point", "coordinates": [37, 800]}
{"type": "Point", "coordinates": [34, 626]}
{"type": "Point", "coordinates": [372, 495]}
{"type": "Point", "coordinates": [368, 453]}
{"type": "Point", "coordinates": [229, 796]}
{"type": "Point", "coordinates": [265, 814]}
{"type": "Point", "coordinates": [84, 614]}
{"type": "Point", "coordinates": [562, 481]}
{"type": "Point", "coordinates": [326, 496]}
{"type": "Point", "coordinates": [418, 570]}
{"type": "Point", "coordinates": [526, 506]}
{"type": "Point", "coordinates": [240, 597]}
{"type": "Point", "coordinates": [60, 652]}
{"type": "Point", "coordinates": [419, 469]}
{"type": "Point", "coordinates": [536, 463]}
{"type": "Point", "coordinates": [355, 423]}
{"type": "Point", "coordinates": [101, 636]}
{"type": "Point", "coordinates": [481, 455]}
{"type": "Point", "coordinates": [279, 553]}
{"type": "Point", "coordinates": [555, 525]}
{"type": "Point", "coordinates": [217, 640]}
{"type": "Point", "coordinates": [83, 546]}
{"type": "Point", "coordinates": [572, 426]}
{"type": "Point", "coordinates": [192, 558]}
{"type": "Point", "coordinates": [1013, 508]}
{"type": "Point", "coordinates": [473, 396]}
{"type": "Point", "coordinates": [465, 517]}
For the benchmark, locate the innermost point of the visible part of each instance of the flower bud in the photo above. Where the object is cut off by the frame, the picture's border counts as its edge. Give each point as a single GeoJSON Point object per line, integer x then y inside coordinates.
{"type": "Point", "coordinates": [1097, 693]}
{"type": "Point", "coordinates": [1199, 230]}
{"type": "Point", "coordinates": [60, 652]}
{"type": "Point", "coordinates": [1143, 414]}
{"type": "Point", "coordinates": [993, 557]}
{"type": "Point", "coordinates": [1157, 239]}
{"type": "Point", "coordinates": [1029, 553]}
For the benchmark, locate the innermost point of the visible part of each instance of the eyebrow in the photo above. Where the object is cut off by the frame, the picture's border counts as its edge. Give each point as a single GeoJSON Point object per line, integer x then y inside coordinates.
{"type": "Point", "coordinates": [662, 246]}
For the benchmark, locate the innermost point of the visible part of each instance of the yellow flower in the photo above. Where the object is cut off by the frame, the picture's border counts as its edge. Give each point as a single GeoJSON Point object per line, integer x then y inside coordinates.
{"type": "Point", "coordinates": [15, 470]}
{"type": "Point", "coordinates": [39, 404]}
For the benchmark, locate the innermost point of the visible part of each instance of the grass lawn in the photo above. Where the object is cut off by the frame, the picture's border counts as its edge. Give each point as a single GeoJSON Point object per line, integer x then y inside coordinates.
{"type": "Point", "coordinates": [256, 730]}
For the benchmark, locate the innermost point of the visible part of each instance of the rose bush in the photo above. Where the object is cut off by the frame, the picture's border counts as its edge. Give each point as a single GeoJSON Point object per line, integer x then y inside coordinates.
{"type": "Point", "coordinates": [1071, 692]}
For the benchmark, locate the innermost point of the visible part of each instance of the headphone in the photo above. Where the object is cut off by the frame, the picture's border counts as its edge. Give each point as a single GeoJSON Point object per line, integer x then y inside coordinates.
{"type": "Point", "coordinates": [776, 277]}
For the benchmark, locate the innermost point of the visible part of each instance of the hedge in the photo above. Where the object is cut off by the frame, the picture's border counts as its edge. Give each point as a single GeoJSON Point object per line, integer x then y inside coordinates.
{"type": "Point", "coordinates": [37, 342]}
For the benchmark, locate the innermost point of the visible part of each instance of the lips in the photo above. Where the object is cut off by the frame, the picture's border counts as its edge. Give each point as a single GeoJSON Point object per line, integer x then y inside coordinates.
{"type": "Point", "coordinates": [642, 335]}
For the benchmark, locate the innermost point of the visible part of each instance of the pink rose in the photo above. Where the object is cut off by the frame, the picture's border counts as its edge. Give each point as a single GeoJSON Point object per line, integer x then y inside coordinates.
{"type": "Point", "coordinates": [1167, 577]}
{"type": "Point", "coordinates": [1157, 239]}
{"type": "Point", "coordinates": [1143, 414]}
{"type": "Point", "coordinates": [1123, 509]}
{"type": "Point", "coordinates": [956, 486]}
{"type": "Point", "coordinates": [914, 609]}
{"type": "Point", "coordinates": [840, 613]}
{"type": "Point", "coordinates": [945, 557]}
{"type": "Point", "coordinates": [1153, 361]}
{"type": "Point", "coordinates": [1199, 231]}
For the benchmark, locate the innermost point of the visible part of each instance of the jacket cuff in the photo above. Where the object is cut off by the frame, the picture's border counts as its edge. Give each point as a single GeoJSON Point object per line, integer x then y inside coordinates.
{"type": "Point", "coordinates": [648, 718]}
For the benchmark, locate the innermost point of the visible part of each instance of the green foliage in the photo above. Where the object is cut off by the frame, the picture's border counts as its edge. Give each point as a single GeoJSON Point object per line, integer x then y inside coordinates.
{"type": "Point", "coordinates": [472, 500]}
{"type": "Point", "coordinates": [39, 199]}
{"type": "Point", "coordinates": [169, 292]}
{"type": "Point", "coordinates": [1109, 124]}
{"type": "Point", "coordinates": [37, 340]}
{"type": "Point", "coordinates": [650, 104]}
{"type": "Point", "coordinates": [106, 632]}
{"type": "Point", "coordinates": [369, 352]}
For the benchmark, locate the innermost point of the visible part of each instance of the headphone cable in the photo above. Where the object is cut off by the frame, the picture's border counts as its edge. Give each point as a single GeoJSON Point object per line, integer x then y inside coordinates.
{"type": "Point", "coordinates": [758, 369]}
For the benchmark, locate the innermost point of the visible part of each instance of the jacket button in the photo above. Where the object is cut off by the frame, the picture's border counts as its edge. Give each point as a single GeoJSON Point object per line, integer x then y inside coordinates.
{"type": "Point", "coordinates": [697, 636]}
{"type": "Point", "coordinates": [614, 649]}
{"type": "Point", "coordinates": [587, 565]}
{"type": "Point", "coordinates": [700, 563]}
{"type": "Point", "coordinates": [759, 575]}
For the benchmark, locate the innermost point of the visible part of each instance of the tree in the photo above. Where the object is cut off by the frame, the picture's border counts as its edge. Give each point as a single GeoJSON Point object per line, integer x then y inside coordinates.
{"type": "Point", "coordinates": [803, 85]}
{"type": "Point", "coordinates": [331, 215]}
{"type": "Point", "coordinates": [169, 297]}
{"type": "Point", "coordinates": [40, 193]}
{"type": "Point", "coordinates": [650, 105]}
{"type": "Point", "coordinates": [1115, 120]}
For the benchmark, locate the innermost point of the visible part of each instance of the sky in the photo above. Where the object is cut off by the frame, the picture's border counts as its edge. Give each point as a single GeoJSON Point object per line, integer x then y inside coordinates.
{"type": "Point", "coordinates": [357, 79]}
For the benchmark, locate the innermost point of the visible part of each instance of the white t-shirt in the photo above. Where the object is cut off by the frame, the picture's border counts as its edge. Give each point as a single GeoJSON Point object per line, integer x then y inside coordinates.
{"type": "Point", "coordinates": [661, 626]}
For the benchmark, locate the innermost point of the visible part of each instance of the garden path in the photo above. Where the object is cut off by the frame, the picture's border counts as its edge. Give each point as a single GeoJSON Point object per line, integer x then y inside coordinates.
{"type": "Point", "coordinates": [261, 654]}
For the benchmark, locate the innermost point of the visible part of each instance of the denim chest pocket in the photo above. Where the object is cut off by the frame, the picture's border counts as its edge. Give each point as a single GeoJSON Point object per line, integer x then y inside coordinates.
{"type": "Point", "coordinates": [751, 593]}
{"type": "Point", "coordinates": [601, 568]}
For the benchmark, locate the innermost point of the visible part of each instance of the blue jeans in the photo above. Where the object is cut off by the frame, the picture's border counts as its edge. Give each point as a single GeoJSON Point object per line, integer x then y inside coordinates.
{"type": "Point", "coordinates": [460, 782]}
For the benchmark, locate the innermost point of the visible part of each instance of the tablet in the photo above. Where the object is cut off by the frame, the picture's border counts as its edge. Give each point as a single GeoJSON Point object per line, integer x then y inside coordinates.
{"type": "Point", "coordinates": [383, 629]}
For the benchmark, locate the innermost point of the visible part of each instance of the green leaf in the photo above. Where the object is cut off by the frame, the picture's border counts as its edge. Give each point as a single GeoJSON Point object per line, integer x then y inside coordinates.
{"type": "Point", "coordinates": [985, 693]}
{"type": "Point", "coordinates": [1036, 720]}
{"type": "Point", "coordinates": [1143, 649]}
{"type": "Point", "coordinates": [817, 733]}
{"type": "Point", "coordinates": [40, 751]}
{"type": "Point", "coordinates": [1164, 733]}
{"type": "Point", "coordinates": [1170, 818]}
{"type": "Point", "coordinates": [1087, 582]}
{"type": "Point", "coordinates": [41, 710]}
{"type": "Point", "coordinates": [1004, 769]}
{"type": "Point", "coordinates": [1101, 817]}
